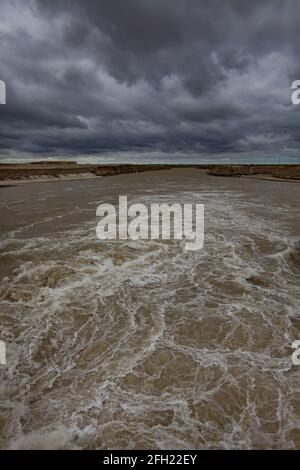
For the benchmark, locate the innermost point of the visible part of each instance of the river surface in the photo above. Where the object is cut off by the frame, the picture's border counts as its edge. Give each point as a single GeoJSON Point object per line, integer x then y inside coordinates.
{"type": "Point", "coordinates": [143, 344]}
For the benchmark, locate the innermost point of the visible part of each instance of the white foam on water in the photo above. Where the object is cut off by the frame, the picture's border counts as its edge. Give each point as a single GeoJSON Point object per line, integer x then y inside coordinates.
{"type": "Point", "coordinates": [121, 344]}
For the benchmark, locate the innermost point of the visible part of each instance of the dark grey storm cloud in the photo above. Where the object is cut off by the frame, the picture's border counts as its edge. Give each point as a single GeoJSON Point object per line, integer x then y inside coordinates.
{"type": "Point", "coordinates": [190, 77]}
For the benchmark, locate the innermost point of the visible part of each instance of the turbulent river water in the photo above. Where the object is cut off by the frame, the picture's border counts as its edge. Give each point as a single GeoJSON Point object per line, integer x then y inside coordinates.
{"type": "Point", "coordinates": [142, 344]}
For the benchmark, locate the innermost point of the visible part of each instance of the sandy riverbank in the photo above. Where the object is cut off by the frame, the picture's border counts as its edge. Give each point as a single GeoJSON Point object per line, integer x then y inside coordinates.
{"type": "Point", "coordinates": [272, 172]}
{"type": "Point", "coordinates": [15, 173]}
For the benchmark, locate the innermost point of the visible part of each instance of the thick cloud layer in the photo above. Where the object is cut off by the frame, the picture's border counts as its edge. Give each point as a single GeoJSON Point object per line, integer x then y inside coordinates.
{"type": "Point", "coordinates": [170, 77]}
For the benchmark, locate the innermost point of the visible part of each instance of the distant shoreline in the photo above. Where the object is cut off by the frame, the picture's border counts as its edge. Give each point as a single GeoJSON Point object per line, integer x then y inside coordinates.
{"type": "Point", "coordinates": [12, 174]}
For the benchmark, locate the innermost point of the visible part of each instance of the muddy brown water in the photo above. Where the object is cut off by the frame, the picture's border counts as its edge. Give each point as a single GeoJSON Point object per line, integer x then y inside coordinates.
{"type": "Point", "coordinates": [132, 345]}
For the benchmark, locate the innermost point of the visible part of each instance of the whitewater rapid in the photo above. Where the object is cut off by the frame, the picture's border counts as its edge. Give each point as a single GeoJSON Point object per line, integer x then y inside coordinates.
{"type": "Point", "coordinates": [142, 344]}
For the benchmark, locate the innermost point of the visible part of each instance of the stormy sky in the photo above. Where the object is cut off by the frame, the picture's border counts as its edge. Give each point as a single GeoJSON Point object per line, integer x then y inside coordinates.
{"type": "Point", "coordinates": [184, 78]}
